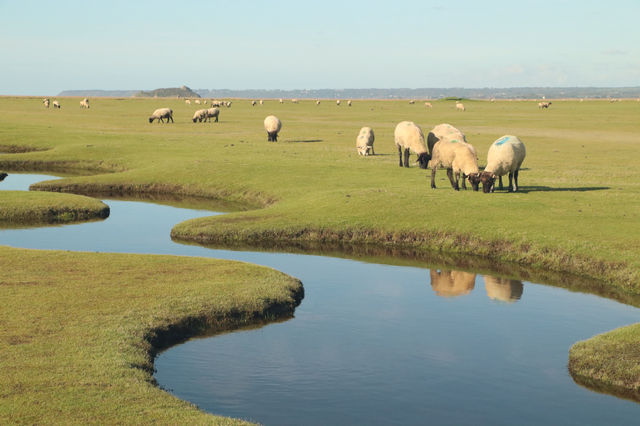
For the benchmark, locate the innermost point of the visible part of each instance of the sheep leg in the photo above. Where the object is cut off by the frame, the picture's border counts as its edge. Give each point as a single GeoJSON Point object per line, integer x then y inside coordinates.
{"type": "Point", "coordinates": [372, 153]}
{"type": "Point", "coordinates": [510, 189]}
{"type": "Point", "coordinates": [464, 178]}
{"type": "Point", "coordinates": [406, 157]}
{"type": "Point", "coordinates": [170, 118]}
{"type": "Point", "coordinates": [454, 183]}
{"type": "Point", "coordinates": [501, 187]}
{"type": "Point", "coordinates": [515, 180]}
{"type": "Point", "coordinates": [400, 155]}
{"type": "Point", "coordinates": [216, 118]}
{"type": "Point", "coordinates": [433, 178]}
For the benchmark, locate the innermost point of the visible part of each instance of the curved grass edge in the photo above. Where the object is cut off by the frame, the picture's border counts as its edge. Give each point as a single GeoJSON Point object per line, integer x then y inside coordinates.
{"type": "Point", "coordinates": [98, 320]}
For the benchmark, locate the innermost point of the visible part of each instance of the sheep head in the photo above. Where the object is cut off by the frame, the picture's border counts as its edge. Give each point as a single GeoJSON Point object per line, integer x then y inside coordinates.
{"type": "Point", "coordinates": [423, 160]}
{"type": "Point", "coordinates": [488, 179]}
{"type": "Point", "coordinates": [474, 180]}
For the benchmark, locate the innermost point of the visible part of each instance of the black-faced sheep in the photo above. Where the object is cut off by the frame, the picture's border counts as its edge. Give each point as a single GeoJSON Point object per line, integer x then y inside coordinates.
{"type": "Point", "coordinates": [446, 131]}
{"type": "Point", "coordinates": [199, 115]}
{"type": "Point", "coordinates": [451, 151]}
{"type": "Point", "coordinates": [253, 103]}
{"type": "Point", "coordinates": [161, 114]}
{"type": "Point", "coordinates": [364, 141]}
{"type": "Point", "coordinates": [409, 137]}
{"type": "Point", "coordinates": [338, 102]}
{"type": "Point", "coordinates": [505, 155]}
{"type": "Point", "coordinates": [56, 104]}
{"type": "Point", "coordinates": [212, 113]}
{"type": "Point", "coordinates": [84, 103]}
{"type": "Point", "coordinates": [46, 102]}
{"type": "Point", "coordinates": [349, 103]}
{"type": "Point", "coordinates": [272, 125]}
{"type": "Point", "coordinates": [543, 105]}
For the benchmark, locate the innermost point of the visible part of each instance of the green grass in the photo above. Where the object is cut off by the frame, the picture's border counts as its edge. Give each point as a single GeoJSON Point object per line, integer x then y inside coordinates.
{"type": "Point", "coordinates": [576, 213]}
{"type": "Point", "coordinates": [77, 341]}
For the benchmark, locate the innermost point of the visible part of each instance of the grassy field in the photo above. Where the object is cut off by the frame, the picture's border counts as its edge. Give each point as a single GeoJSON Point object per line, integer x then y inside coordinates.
{"type": "Point", "coordinates": [576, 211]}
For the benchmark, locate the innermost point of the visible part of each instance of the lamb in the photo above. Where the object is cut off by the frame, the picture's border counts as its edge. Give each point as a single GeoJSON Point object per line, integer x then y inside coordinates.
{"type": "Point", "coordinates": [160, 114]}
{"type": "Point", "coordinates": [56, 104]}
{"type": "Point", "coordinates": [212, 113]}
{"type": "Point", "coordinates": [505, 155]}
{"type": "Point", "coordinates": [543, 105]}
{"type": "Point", "coordinates": [272, 125]}
{"type": "Point", "coordinates": [409, 137]}
{"type": "Point", "coordinates": [199, 115]}
{"type": "Point", "coordinates": [84, 103]}
{"type": "Point", "coordinates": [428, 105]}
{"type": "Point", "coordinates": [364, 141]}
{"type": "Point", "coordinates": [456, 155]}
{"type": "Point", "coordinates": [460, 106]}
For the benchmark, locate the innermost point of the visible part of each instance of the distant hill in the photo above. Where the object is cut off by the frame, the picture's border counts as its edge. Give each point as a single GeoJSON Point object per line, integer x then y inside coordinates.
{"type": "Point", "coordinates": [172, 92]}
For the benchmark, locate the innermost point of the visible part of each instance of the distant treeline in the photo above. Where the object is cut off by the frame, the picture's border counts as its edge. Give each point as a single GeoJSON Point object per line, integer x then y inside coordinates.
{"type": "Point", "coordinates": [425, 93]}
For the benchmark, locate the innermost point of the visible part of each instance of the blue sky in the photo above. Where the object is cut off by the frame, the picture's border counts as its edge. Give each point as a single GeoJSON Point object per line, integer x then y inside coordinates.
{"type": "Point", "coordinates": [50, 46]}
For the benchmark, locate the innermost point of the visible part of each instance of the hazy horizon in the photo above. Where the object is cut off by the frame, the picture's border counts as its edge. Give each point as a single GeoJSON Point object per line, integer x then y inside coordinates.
{"type": "Point", "coordinates": [285, 45]}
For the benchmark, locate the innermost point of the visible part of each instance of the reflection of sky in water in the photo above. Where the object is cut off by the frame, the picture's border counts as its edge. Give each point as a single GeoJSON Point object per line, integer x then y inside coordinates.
{"type": "Point", "coordinates": [372, 343]}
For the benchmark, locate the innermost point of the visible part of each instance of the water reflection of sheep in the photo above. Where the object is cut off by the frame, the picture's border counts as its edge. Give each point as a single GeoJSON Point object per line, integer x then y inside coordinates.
{"type": "Point", "coordinates": [503, 289]}
{"type": "Point", "coordinates": [2, 176]}
{"type": "Point", "coordinates": [452, 283]}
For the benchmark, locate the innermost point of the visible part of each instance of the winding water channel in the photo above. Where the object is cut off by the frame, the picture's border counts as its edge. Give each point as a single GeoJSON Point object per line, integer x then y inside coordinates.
{"type": "Point", "coordinates": [371, 343]}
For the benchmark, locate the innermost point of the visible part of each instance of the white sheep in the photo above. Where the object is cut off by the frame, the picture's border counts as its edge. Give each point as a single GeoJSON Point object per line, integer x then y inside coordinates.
{"type": "Point", "coordinates": [228, 104]}
{"type": "Point", "coordinates": [460, 106]}
{"type": "Point", "coordinates": [56, 104]}
{"type": "Point", "coordinates": [408, 137]}
{"type": "Point", "coordinates": [281, 100]}
{"type": "Point", "coordinates": [444, 131]}
{"type": "Point", "coordinates": [261, 102]}
{"type": "Point", "coordinates": [160, 114]}
{"type": "Point", "coordinates": [253, 103]}
{"type": "Point", "coordinates": [411, 102]}
{"type": "Point", "coordinates": [428, 105]}
{"type": "Point", "coordinates": [505, 155]}
{"type": "Point", "coordinates": [543, 105]}
{"type": "Point", "coordinates": [364, 141]}
{"type": "Point", "coordinates": [318, 102]}
{"type": "Point", "coordinates": [338, 102]}
{"type": "Point", "coordinates": [187, 101]}
{"type": "Point", "coordinates": [349, 103]}
{"type": "Point", "coordinates": [272, 125]}
{"type": "Point", "coordinates": [204, 102]}
{"type": "Point", "coordinates": [197, 101]}
{"type": "Point", "coordinates": [46, 102]}
{"type": "Point", "coordinates": [84, 103]}
{"type": "Point", "coordinates": [458, 157]}
{"type": "Point", "coordinates": [212, 113]}
{"type": "Point", "coordinates": [295, 101]}
{"type": "Point", "coordinates": [199, 115]}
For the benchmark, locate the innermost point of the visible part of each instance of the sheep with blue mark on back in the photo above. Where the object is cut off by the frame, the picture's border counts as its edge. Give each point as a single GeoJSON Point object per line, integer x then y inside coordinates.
{"type": "Point", "coordinates": [505, 155]}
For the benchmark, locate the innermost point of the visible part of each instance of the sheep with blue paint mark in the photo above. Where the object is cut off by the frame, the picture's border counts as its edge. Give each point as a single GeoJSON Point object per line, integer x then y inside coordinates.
{"type": "Point", "coordinates": [505, 155]}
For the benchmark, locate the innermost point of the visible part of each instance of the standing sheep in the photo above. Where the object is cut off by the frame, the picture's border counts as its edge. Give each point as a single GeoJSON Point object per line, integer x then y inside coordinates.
{"type": "Point", "coordinates": [187, 101]}
{"type": "Point", "coordinates": [253, 103]}
{"type": "Point", "coordinates": [318, 102]}
{"type": "Point", "coordinates": [543, 105]}
{"type": "Point", "coordinates": [364, 141]}
{"type": "Point", "coordinates": [349, 102]}
{"type": "Point", "coordinates": [84, 103]}
{"type": "Point", "coordinates": [294, 101]}
{"type": "Point", "coordinates": [281, 100]}
{"type": "Point", "coordinates": [272, 125]}
{"type": "Point", "coordinates": [56, 104]}
{"type": "Point", "coordinates": [199, 115]}
{"type": "Point", "coordinates": [212, 113]}
{"type": "Point", "coordinates": [460, 106]}
{"type": "Point", "coordinates": [160, 114]}
{"type": "Point", "coordinates": [409, 137]}
{"type": "Point", "coordinates": [338, 102]}
{"type": "Point", "coordinates": [261, 102]}
{"type": "Point", "coordinates": [505, 156]}
{"type": "Point", "coordinates": [428, 105]}
{"type": "Point", "coordinates": [46, 102]}
{"type": "Point", "coordinates": [411, 102]}
{"type": "Point", "coordinates": [197, 101]}
{"type": "Point", "coordinates": [452, 152]}
{"type": "Point", "coordinates": [228, 104]}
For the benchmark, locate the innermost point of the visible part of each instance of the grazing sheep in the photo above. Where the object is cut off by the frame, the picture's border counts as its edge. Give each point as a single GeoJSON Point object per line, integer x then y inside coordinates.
{"type": "Point", "coordinates": [84, 103]}
{"type": "Point", "coordinates": [2, 176]}
{"type": "Point", "coordinates": [364, 141]}
{"type": "Point", "coordinates": [212, 113]}
{"type": "Point", "coordinates": [204, 102]}
{"type": "Point", "coordinates": [411, 102]}
{"type": "Point", "coordinates": [409, 137]}
{"type": "Point", "coordinates": [349, 103]}
{"type": "Point", "coordinates": [228, 104]}
{"type": "Point", "coordinates": [428, 105]}
{"type": "Point", "coordinates": [318, 102]}
{"type": "Point", "coordinates": [56, 104]}
{"type": "Point", "coordinates": [460, 106]}
{"type": "Point", "coordinates": [543, 105]}
{"type": "Point", "coordinates": [272, 125]}
{"type": "Point", "coordinates": [444, 131]}
{"type": "Point", "coordinates": [281, 100]}
{"type": "Point", "coordinates": [261, 102]}
{"type": "Point", "coordinates": [187, 101]}
{"type": "Point", "coordinates": [503, 289]}
{"type": "Point", "coordinates": [160, 114]}
{"type": "Point", "coordinates": [505, 155]}
{"type": "Point", "coordinates": [199, 115]}
{"type": "Point", "coordinates": [253, 103]}
{"type": "Point", "coordinates": [295, 101]}
{"type": "Point", "coordinates": [197, 101]}
{"type": "Point", "coordinates": [452, 152]}
{"type": "Point", "coordinates": [452, 283]}
{"type": "Point", "coordinates": [338, 102]}
{"type": "Point", "coordinates": [46, 103]}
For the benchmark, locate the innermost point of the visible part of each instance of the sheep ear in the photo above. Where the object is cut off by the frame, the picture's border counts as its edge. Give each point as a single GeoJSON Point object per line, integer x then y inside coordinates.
{"type": "Point", "coordinates": [493, 175]}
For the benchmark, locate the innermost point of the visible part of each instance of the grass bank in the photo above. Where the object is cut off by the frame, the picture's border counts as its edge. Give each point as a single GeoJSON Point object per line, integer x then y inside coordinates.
{"type": "Point", "coordinates": [79, 330]}
{"type": "Point", "coordinates": [576, 211]}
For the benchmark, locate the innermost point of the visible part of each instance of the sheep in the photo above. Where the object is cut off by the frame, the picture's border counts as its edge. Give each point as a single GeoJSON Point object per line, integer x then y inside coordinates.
{"type": "Point", "coordinates": [187, 101]}
{"type": "Point", "coordinates": [46, 103]}
{"type": "Point", "coordinates": [56, 104]}
{"type": "Point", "coordinates": [364, 141]}
{"type": "Point", "coordinates": [281, 100]}
{"type": "Point", "coordinates": [253, 103]}
{"type": "Point", "coordinates": [460, 106]}
{"type": "Point", "coordinates": [212, 113]}
{"type": "Point", "coordinates": [543, 105]}
{"type": "Point", "coordinates": [428, 105]}
{"type": "Point", "coordinates": [261, 102]}
{"type": "Point", "coordinates": [2, 176]}
{"type": "Point", "coordinates": [338, 102]}
{"type": "Point", "coordinates": [349, 103]}
{"type": "Point", "coordinates": [160, 114]}
{"type": "Point", "coordinates": [503, 289]}
{"type": "Point", "coordinates": [197, 101]}
{"type": "Point", "coordinates": [409, 137]}
{"type": "Point", "coordinates": [444, 131]}
{"type": "Point", "coordinates": [411, 102]}
{"type": "Point", "coordinates": [204, 102]}
{"type": "Point", "coordinates": [294, 101]}
{"type": "Point", "coordinates": [272, 125]}
{"type": "Point", "coordinates": [84, 103]}
{"type": "Point", "coordinates": [228, 104]}
{"type": "Point", "coordinates": [199, 115]}
{"type": "Point", "coordinates": [452, 152]}
{"type": "Point", "coordinates": [318, 102]}
{"type": "Point", "coordinates": [452, 283]}
{"type": "Point", "coordinates": [505, 155]}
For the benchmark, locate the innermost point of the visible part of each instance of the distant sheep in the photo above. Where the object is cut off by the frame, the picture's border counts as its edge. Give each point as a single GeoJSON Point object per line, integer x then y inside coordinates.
{"type": "Point", "coordinates": [56, 104]}
{"type": "Point", "coordinates": [161, 114]}
{"type": "Point", "coordinates": [281, 101]}
{"type": "Point", "coordinates": [428, 105]}
{"type": "Point", "coordinates": [204, 102]}
{"type": "Point", "coordinates": [199, 115]}
{"type": "Point", "coordinates": [364, 141]}
{"type": "Point", "coordinates": [318, 102]}
{"type": "Point", "coordinates": [460, 106]}
{"type": "Point", "coordinates": [409, 137]}
{"type": "Point", "coordinates": [84, 103]}
{"type": "Point", "coordinates": [295, 101]}
{"type": "Point", "coordinates": [349, 103]}
{"type": "Point", "coordinates": [212, 113]}
{"type": "Point", "coordinates": [505, 155]}
{"type": "Point", "coordinates": [46, 102]}
{"type": "Point", "coordinates": [261, 102]}
{"type": "Point", "coordinates": [187, 101]}
{"type": "Point", "coordinates": [411, 102]}
{"type": "Point", "coordinates": [543, 105]}
{"type": "Point", "coordinates": [253, 103]}
{"type": "Point", "coordinates": [272, 125]}
{"type": "Point", "coordinates": [456, 155]}
{"type": "Point", "coordinates": [228, 104]}
{"type": "Point", "coordinates": [2, 176]}
{"type": "Point", "coordinates": [197, 101]}
{"type": "Point", "coordinates": [338, 102]}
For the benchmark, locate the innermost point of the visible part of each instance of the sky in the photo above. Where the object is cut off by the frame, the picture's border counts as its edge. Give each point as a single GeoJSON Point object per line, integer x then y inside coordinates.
{"type": "Point", "coordinates": [50, 46]}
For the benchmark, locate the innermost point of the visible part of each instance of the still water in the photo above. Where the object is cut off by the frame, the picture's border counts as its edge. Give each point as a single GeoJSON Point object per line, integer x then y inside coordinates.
{"type": "Point", "coordinates": [370, 343]}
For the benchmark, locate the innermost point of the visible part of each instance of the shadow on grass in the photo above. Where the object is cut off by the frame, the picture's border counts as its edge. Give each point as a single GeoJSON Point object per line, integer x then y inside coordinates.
{"type": "Point", "coordinates": [303, 140]}
{"type": "Point", "coordinates": [527, 189]}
